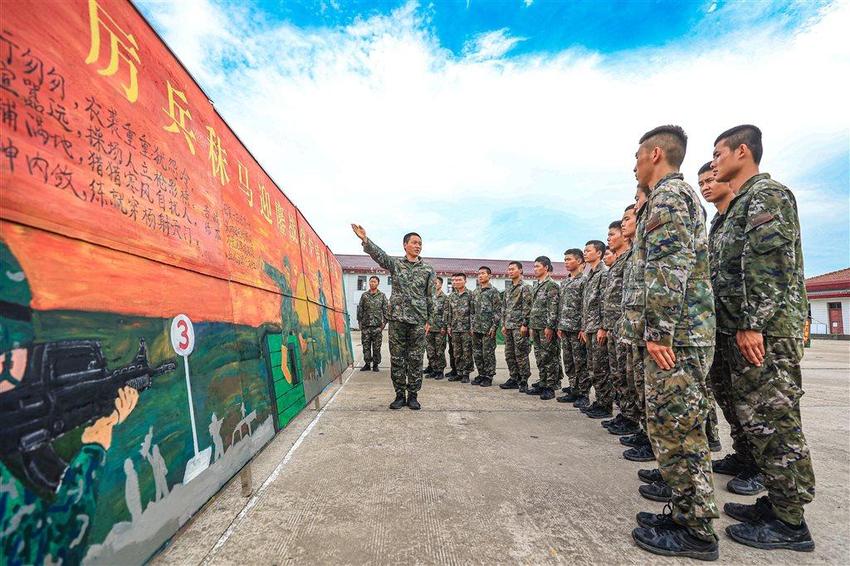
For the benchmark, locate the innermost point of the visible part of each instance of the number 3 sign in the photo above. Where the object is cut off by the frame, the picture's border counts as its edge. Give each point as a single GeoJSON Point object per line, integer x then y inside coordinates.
{"type": "Point", "coordinates": [182, 335]}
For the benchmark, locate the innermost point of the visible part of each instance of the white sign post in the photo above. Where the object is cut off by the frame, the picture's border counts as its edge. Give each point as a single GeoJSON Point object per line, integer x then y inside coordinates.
{"type": "Point", "coordinates": [183, 342]}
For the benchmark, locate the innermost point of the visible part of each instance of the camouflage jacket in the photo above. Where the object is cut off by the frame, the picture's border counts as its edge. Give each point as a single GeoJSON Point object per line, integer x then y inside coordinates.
{"type": "Point", "coordinates": [612, 295]}
{"type": "Point", "coordinates": [631, 325]}
{"type": "Point", "coordinates": [713, 250]}
{"type": "Point", "coordinates": [372, 309]}
{"type": "Point", "coordinates": [679, 305]}
{"type": "Point", "coordinates": [412, 297]}
{"type": "Point", "coordinates": [458, 313]}
{"type": "Point", "coordinates": [759, 283]}
{"type": "Point", "coordinates": [569, 304]}
{"type": "Point", "coordinates": [591, 301]}
{"type": "Point", "coordinates": [517, 306]}
{"type": "Point", "coordinates": [486, 309]}
{"type": "Point", "coordinates": [438, 315]}
{"type": "Point", "coordinates": [544, 305]}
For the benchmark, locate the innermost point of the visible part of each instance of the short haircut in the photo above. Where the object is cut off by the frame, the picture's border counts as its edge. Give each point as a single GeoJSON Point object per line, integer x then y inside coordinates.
{"type": "Point", "coordinates": [375, 277]}
{"type": "Point", "coordinates": [516, 263]}
{"type": "Point", "coordinates": [576, 253]}
{"type": "Point", "coordinates": [440, 279]}
{"type": "Point", "coordinates": [459, 275]}
{"type": "Point", "coordinates": [746, 134]}
{"type": "Point", "coordinates": [600, 247]}
{"type": "Point", "coordinates": [616, 225]}
{"type": "Point", "coordinates": [408, 236]}
{"type": "Point", "coordinates": [487, 269]}
{"type": "Point", "coordinates": [704, 169]}
{"type": "Point", "coordinates": [628, 208]}
{"type": "Point", "coordinates": [544, 261]}
{"type": "Point", "coordinates": [671, 139]}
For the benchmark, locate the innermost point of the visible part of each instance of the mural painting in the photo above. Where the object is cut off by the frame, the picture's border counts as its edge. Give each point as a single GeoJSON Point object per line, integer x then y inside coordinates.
{"type": "Point", "coordinates": [164, 308]}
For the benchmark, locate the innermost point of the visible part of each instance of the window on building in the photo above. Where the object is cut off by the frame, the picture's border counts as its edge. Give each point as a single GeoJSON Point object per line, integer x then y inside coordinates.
{"type": "Point", "coordinates": [833, 305]}
{"type": "Point", "coordinates": [361, 282]}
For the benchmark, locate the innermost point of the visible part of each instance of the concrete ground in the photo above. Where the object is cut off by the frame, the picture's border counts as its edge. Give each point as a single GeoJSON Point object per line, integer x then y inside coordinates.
{"type": "Point", "coordinates": [482, 476]}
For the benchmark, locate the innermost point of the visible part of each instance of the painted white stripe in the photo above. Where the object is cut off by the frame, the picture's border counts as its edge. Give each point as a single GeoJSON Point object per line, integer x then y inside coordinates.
{"type": "Point", "coordinates": [272, 477]}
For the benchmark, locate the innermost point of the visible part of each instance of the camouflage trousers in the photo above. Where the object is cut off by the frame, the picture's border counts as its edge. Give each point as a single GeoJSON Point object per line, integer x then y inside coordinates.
{"type": "Point", "coordinates": [462, 342]}
{"type": "Point", "coordinates": [634, 377]}
{"type": "Point", "coordinates": [435, 349]}
{"type": "Point", "coordinates": [517, 351]}
{"type": "Point", "coordinates": [484, 353]}
{"type": "Point", "coordinates": [547, 356]}
{"type": "Point", "coordinates": [767, 402]}
{"type": "Point", "coordinates": [452, 362]}
{"type": "Point", "coordinates": [624, 394]}
{"type": "Point", "coordinates": [407, 345]}
{"type": "Point", "coordinates": [575, 362]}
{"type": "Point", "coordinates": [371, 338]}
{"type": "Point", "coordinates": [720, 384]}
{"type": "Point", "coordinates": [676, 408]}
{"type": "Point", "coordinates": [597, 365]}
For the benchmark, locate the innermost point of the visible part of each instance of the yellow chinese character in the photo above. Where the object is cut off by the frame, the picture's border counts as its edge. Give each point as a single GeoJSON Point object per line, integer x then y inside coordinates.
{"type": "Point", "coordinates": [178, 115]}
{"type": "Point", "coordinates": [218, 157]}
{"type": "Point", "coordinates": [265, 204]}
{"type": "Point", "coordinates": [243, 183]}
{"type": "Point", "coordinates": [280, 215]}
{"type": "Point", "coordinates": [121, 44]}
{"type": "Point", "coordinates": [293, 227]}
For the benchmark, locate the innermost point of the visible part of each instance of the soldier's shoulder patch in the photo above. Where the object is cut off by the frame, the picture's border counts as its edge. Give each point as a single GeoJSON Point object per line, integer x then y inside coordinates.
{"type": "Point", "coordinates": [762, 218]}
{"type": "Point", "coordinates": [656, 221]}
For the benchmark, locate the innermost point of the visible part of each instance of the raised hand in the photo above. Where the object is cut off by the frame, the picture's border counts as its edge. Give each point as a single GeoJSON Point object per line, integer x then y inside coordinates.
{"type": "Point", "coordinates": [359, 231]}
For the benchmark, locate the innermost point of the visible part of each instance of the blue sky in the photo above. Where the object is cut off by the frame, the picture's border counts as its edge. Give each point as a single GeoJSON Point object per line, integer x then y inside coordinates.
{"type": "Point", "coordinates": [507, 129]}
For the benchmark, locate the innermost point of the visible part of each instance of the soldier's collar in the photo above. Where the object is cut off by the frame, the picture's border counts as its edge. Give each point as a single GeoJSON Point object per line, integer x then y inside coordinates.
{"type": "Point", "coordinates": [747, 184]}
{"type": "Point", "coordinates": [668, 177]}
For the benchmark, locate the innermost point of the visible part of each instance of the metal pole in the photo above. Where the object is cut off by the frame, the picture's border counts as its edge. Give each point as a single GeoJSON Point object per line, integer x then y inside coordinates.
{"type": "Point", "coordinates": [191, 405]}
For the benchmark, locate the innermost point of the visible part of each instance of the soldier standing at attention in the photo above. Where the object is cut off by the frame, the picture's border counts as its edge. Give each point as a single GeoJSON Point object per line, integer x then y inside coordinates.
{"type": "Point", "coordinates": [543, 321]}
{"type": "Point", "coordinates": [411, 303]}
{"type": "Point", "coordinates": [372, 317]}
{"type": "Point", "coordinates": [679, 328]}
{"type": "Point", "coordinates": [612, 309]}
{"type": "Point", "coordinates": [486, 318]}
{"type": "Point", "coordinates": [592, 334]}
{"type": "Point", "coordinates": [515, 329]}
{"type": "Point", "coordinates": [748, 479]}
{"type": "Point", "coordinates": [452, 361]}
{"type": "Point", "coordinates": [569, 325]}
{"type": "Point", "coordinates": [459, 322]}
{"type": "Point", "coordinates": [436, 335]}
{"type": "Point", "coordinates": [762, 307]}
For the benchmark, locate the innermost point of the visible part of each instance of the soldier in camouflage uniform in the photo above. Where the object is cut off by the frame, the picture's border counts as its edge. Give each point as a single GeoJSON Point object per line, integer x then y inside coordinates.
{"type": "Point", "coordinates": [372, 317]}
{"type": "Point", "coordinates": [486, 318]}
{"type": "Point", "coordinates": [517, 309]}
{"type": "Point", "coordinates": [612, 310]}
{"type": "Point", "coordinates": [411, 304]}
{"type": "Point", "coordinates": [748, 479]}
{"type": "Point", "coordinates": [569, 325]}
{"type": "Point", "coordinates": [591, 334]}
{"type": "Point", "coordinates": [679, 328]}
{"type": "Point", "coordinates": [459, 322]}
{"type": "Point", "coordinates": [452, 362]}
{"type": "Point", "coordinates": [543, 321]}
{"type": "Point", "coordinates": [762, 307]}
{"type": "Point", "coordinates": [436, 335]}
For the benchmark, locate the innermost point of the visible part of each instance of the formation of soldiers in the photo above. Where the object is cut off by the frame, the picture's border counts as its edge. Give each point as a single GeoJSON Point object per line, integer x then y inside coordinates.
{"type": "Point", "coordinates": [667, 320]}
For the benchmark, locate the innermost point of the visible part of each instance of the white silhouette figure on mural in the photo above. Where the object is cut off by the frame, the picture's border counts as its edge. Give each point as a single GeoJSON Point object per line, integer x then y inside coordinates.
{"type": "Point", "coordinates": [132, 495]}
{"type": "Point", "coordinates": [215, 433]}
{"type": "Point", "coordinates": [160, 471]}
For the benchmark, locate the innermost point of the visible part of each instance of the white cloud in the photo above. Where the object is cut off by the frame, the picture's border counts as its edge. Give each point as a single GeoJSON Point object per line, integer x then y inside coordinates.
{"type": "Point", "coordinates": [377, 123]}
{"type": "Point", "coordinates": [528, 3]}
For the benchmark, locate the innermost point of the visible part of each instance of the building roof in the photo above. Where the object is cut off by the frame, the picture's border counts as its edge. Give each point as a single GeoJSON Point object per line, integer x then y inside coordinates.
{"type": "Point", "coordinates": [833, 281]}
{"type": "Point", "coordinates": [361, 263]}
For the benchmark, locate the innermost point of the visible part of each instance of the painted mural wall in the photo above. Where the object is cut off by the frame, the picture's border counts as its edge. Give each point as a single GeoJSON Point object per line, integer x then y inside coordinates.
{"type": "Point", "coordinates": [164, 308]}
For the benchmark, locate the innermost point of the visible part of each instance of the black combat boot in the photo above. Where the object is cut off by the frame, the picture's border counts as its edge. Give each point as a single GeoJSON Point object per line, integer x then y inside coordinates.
{"type": "Point", "coordinates": [453, 377]}
{"type": "Point", "coordinates": [547, 393]}
{"type": "Point", "coordinates": [656, 491]}
{"type": "Point", "coordinates": [427, 371]}
{"type": "Point", "coordinates": [747, 482]}
{"type": "Point", "coordinates": [523, 386]}
{"type": "Point", "coordinates": [650, 476]}
{"type": "Point", "coordinates": [729, 465]}
{"type": "Point", "coordinates": [570, 397]}
{"type": "Point", "coordinates": [642, 453]}
{"type": "Point", "coordinates": [535, 389]}
{"type": "Point", "coordinates": [582, 402]}
{"type": "Point", "coordinates": [375, 367]}
{"type": "Point", "coordinates": [769, 532]}
{"type": "Point", "coordinates": [587, 408]}
{"type": "Point", "coordinates": [615, 421]}
{"type": "Point", "coordinates": [452, 373]}
{"type": "Point", "coordinates": [636, 440]}
{"type": "Point", "coordinates": [600, 413]}
{"type": "Point", "coordinates": [675, 540]}
{"type": "Point", "coordinates": [477, 380]}
{"type": "Point", "coordinates": [486, 381]}
{"type": "Point", "coordinates": [715, 445]}
{"type": "Point", "coordinates": [628, 427]}
{"type": "Point", "coordinates": [412, 402]}
{"type": "Point", "coordinates": [366, 367]}
{"type": "Point", "coordinates": [437, 375]}
{"type": "Point", "coordinates": [535, 384]}
{"type": "Point", "coordinates": [399, 402]}
{"type": "Point", "coordinates": [662, 520]}
{"type": "Point", "coordinates": [464, 379]}
{"type": "Point", "coordinates": [567, 389]}
{"type": "Point", "coordinates": [749, 513]}
{"type": "Point", "coordinates": [509, 384]}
